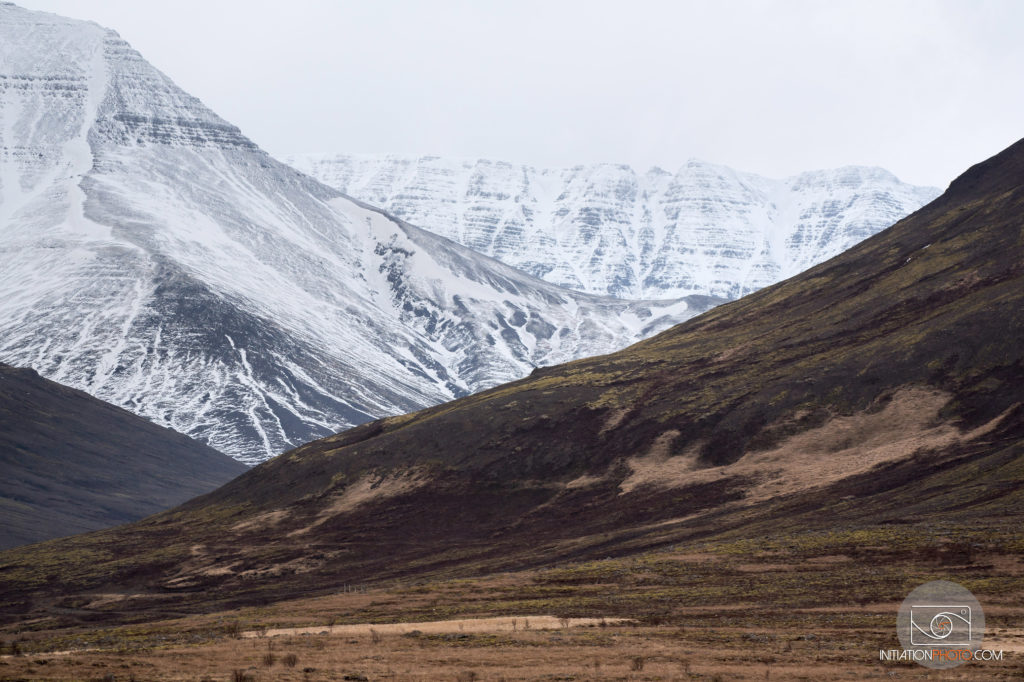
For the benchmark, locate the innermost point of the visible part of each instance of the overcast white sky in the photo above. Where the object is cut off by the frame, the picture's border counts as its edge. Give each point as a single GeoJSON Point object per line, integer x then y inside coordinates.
{"type": "Point", "coordinates": [924, 88]}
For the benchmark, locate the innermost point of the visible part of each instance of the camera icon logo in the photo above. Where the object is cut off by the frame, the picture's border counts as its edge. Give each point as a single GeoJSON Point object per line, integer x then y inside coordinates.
{"type": "Point", "coordinates": [946, 625]}
{"type": "Point", "coordinates": [941, 625]}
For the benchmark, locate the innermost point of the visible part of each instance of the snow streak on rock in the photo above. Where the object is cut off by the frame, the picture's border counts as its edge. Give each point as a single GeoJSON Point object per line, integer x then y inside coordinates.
{"type": "Point", "coordinates": [156, 258]}
{"type": "Point", "coordinates": [608, 229]}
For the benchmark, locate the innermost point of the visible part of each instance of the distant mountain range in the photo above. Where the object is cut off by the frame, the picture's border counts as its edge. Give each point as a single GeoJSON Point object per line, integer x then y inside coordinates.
{"type": "Point", "coordinates": [154, 257]}
{"type": "Point", "coordinates": [875, 395]}
{"type": "Point", "coordinates": [72, 463]}
{"type": "Point", "coordinates": [610, 229]}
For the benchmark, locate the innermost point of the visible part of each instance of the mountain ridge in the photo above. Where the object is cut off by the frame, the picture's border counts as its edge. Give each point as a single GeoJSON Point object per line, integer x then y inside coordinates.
{"type": "Point", "coordinates": [609, 229]}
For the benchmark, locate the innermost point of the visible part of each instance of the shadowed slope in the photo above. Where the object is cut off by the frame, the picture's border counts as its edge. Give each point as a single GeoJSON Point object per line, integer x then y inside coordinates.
{"type": "Point", "coordinates": [884, 386]}
{"type": "Point", "coordinates": [72, 463]}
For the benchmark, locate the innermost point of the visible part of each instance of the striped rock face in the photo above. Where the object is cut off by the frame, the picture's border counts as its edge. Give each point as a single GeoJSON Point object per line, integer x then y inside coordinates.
{"type": "Point", "coordinates": [156, 258]}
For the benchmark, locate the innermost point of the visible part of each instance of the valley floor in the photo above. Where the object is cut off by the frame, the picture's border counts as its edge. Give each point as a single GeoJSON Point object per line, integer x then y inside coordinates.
{"type": "Point", "coordinates": [817, 651]}
{"type": "Point", "coordinates": [803, 607]}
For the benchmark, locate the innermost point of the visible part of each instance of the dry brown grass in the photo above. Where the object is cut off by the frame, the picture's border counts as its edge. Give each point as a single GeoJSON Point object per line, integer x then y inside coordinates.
{"type": "Point", "coordinates": [796, 607]}
{"type": "Point", "coordinates": [614, 653]}
{"type": "Point", "coordinates": [739, 640]}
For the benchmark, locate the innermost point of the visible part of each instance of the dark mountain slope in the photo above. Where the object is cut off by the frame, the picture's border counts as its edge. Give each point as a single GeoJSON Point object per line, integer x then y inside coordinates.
{"type": "Point", "coordinates": [72, 463]}
{"type": "Point", "coordinates": [884, 386]}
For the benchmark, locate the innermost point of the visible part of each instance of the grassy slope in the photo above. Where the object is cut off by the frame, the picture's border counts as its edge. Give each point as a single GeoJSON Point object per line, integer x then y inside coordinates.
{"type": "Point", "coordinates": [935, 301]}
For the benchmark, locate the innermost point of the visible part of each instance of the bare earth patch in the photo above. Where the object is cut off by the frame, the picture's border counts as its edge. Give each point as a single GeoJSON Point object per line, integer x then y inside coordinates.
{"type": "Point", "coordinates": [369, 488]}
{"type": "Point", "coordinates": [497, 624]}
{"type": "Point", "coordinates": [615, 418]}
{"type": "Point", "coordinates": [261, 521]}
{"type": "Point", "coordinates": [839, 448]}
{"type": "Point", "coordinates": [584, 481]}
{"type": "Point", "coordinates": [656, 465]}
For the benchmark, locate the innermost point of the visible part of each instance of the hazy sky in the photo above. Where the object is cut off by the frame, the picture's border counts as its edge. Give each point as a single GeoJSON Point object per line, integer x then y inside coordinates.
{"type": "Point", "coordinates": [924, 88]}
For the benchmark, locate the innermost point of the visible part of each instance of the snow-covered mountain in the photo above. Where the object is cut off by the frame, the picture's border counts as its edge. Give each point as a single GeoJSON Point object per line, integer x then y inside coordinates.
{"type": "Point", "coordinates": [608, 229]}
{"type": "Point", "coordinates": [153, 256]}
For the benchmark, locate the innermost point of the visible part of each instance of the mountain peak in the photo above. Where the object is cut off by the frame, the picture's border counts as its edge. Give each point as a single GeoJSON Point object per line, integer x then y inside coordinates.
{"type": "Point", "coordinates": [164, 263]}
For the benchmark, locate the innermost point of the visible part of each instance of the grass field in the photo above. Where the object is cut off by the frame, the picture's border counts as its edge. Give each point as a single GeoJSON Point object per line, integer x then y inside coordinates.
{"type": "Point", "coordinates": [817, 606]}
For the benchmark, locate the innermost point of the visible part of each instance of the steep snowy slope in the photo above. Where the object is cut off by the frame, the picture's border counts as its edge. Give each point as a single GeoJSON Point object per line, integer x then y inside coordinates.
{"type": "Point", "coordinates": [607, 229]}
{"type": "Point", "coordinates": [154, 257]}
